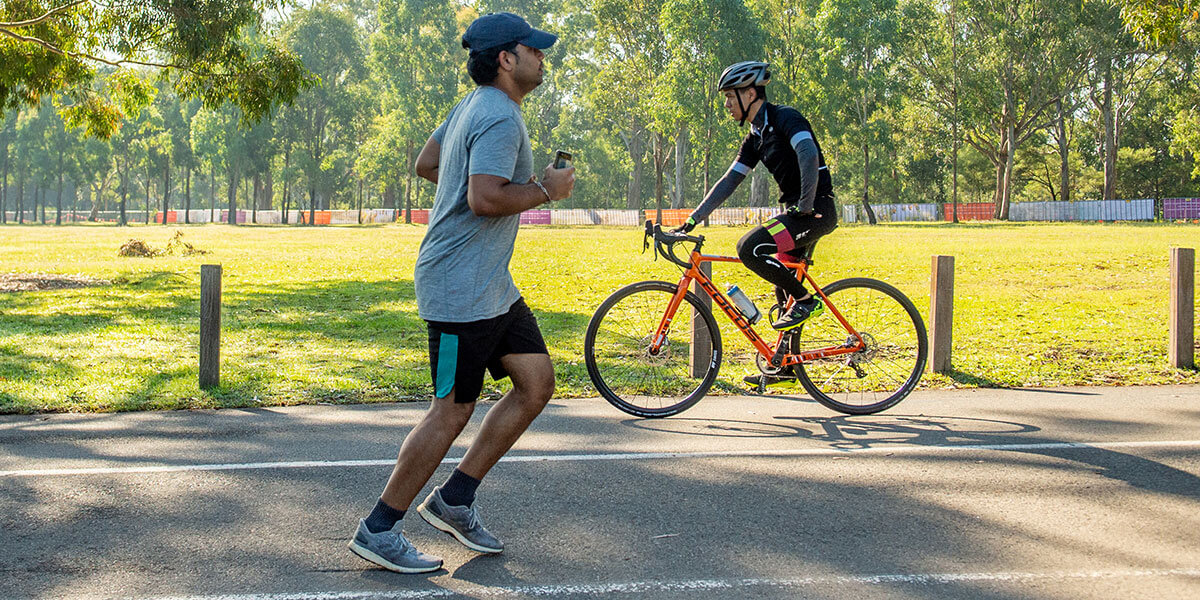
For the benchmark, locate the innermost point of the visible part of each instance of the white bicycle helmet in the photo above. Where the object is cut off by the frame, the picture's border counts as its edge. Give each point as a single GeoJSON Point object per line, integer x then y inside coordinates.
{"type": "Point", "coordinates": [749, 73]}
{"type": "Point", "coordinates": [744, 74]}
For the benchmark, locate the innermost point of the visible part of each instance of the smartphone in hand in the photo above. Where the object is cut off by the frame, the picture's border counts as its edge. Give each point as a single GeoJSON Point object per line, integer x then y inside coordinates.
{"type": "Point", "coordinates": [562, 159]}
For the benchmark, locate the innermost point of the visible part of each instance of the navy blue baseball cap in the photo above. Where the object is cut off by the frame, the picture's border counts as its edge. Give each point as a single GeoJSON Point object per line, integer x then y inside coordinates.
{"type": "Point", "coordinates": [497, 29]}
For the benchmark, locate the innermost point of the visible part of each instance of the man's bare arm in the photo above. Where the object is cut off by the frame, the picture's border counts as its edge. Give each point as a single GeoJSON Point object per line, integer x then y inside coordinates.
{"type": "Point", "coordinates": [427, 160]}
{"type": "Point", "coordinates": [492, 196]}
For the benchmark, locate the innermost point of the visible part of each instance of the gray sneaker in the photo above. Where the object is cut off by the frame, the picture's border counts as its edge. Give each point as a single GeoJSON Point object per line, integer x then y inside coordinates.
{"type": "Point", "coordinates": [462, 522]}
{"type": "Point", "coordinates": [391, 550]}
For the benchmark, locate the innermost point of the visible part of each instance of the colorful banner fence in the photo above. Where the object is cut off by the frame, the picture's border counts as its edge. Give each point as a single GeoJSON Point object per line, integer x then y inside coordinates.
{"type": "Point", "coordinates": [1181, 208]}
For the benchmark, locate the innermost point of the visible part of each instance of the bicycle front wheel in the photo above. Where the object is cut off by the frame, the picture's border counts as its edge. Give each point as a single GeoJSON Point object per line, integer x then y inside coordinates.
{"type": "Point", "coordinates": [626, 371]}
{"type": "Point", "coordinates": [882, 374]}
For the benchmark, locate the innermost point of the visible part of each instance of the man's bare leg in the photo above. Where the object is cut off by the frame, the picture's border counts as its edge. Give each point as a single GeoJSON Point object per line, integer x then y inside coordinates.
{"type": "Point", "coordinates": [533, 384]}
{"type": "Point", "coordinates": [424, 449]}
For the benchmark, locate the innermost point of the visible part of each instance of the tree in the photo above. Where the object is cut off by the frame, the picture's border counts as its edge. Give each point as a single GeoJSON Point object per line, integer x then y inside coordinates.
{"type": "Point", "coordinates": [703, 38]}
{"type": "Point", "coordinates": [627, 54]}
{"type": "Point", "coordinates": [1020, 59]}
{"type": "Point", "coordinates": [1159, 22]}
{"type": "Point", "coordinates": [327, 40]}
{"type": "Point", "coordinates": [858, 64]}
{"type": "Point", "coordinates": [207, 49]}
{"type": "Point", "coordinates": [416, 58]}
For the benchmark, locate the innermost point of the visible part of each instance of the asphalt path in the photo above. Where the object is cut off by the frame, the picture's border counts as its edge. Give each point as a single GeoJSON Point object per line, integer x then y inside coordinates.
{"type": "Point", "coordinates": [1062, 493]}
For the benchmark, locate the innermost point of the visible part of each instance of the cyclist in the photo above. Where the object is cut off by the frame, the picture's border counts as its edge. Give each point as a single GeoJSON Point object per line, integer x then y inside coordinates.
{"type": "Point", "coordinates": [782, 139]}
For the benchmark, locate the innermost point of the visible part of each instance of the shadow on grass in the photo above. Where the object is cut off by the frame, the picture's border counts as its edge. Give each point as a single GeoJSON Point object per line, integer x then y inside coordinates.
{"type": "Point", "coordinates": [972, 379]}
{"type": "Point", "coordinates": [310, 323]}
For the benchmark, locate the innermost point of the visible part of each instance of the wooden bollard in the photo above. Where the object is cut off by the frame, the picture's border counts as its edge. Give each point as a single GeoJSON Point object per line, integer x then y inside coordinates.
{"type": "Point", "coordinates": [701, 337]}
{"type": "Point", "coordinates": [941, 313]}
{"type": "Point", "coordinates": [1181, 350]}
{"type": "Point", "coordinates": [210, 326]}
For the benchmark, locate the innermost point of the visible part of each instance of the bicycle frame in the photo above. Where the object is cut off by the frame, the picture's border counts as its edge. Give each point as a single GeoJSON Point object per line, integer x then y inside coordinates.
{"type": "Point", "coordinates": [695, 274]}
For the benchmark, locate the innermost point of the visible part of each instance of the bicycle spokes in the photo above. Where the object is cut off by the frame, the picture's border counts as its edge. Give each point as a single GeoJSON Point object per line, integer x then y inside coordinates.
{"type": "Point", "coordinates": [887, 362]}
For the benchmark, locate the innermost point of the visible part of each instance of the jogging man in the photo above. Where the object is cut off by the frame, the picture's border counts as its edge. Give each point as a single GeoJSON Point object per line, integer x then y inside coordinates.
{"type": "Point", "coordinates": [782, 139]}
{"type": "Point", "coordinates": [481, 160]}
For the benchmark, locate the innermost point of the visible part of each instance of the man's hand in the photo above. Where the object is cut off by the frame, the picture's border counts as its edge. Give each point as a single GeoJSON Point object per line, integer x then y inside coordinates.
{"type": "Point", "coordinates": [686, 228]}
{"type": "Point", "coordinates": [559, 182]}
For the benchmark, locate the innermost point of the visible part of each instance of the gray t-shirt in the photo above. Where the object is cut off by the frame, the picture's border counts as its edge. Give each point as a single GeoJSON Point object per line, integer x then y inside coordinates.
{"type": "Point", "coordinates": [462, 267]}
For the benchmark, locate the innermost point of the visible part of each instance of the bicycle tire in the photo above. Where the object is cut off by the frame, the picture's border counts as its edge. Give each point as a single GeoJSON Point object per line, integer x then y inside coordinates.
{"type": "Point", "coordinates": [616, 351]}
{"type": "Point", "coordinates": [887, 370]}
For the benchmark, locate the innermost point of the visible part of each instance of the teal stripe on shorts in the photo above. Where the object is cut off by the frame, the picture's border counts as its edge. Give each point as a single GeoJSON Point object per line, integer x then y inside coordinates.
{"type": "Point", "coordinates": [447, 364]}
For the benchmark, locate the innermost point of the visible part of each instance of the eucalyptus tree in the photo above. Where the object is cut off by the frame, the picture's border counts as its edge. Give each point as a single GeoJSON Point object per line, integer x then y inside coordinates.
{"type": "Point", "coordinates": [8, 127]}
{"type": "Point", "coordinates": [179, 123]}
{"type": "Point", "coordinates": [95, 172]}
{"type": "Point", "coordinates": [219, 139]}
{"type": "Point", "coordinates": [418, 62]}
{"type": "Point", "coordinates": [207, 141]}
{"type": "Point", "coordinates": [1159, 22]}
{"type": "Point", "coordinates": [627, 54]}
{"type": "Point", "coordinates": [63, 149]}
{"type": "Point", "coordinates": [1019, 59]}
{"type": "Point", "coordinates": [703, 37]}
{"type": "Point", "coordinates": [859, 84]}
{"type": "Point", "coordinates": [208, 50]}
{"type": "Point", "coordinates": [930, 37]}
{"type": "Point", "coordinates": [327, 39]}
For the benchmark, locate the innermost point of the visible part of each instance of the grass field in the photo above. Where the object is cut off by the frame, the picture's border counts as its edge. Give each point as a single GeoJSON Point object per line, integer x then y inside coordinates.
{"type": "Point", "coordinates": [329, 315]}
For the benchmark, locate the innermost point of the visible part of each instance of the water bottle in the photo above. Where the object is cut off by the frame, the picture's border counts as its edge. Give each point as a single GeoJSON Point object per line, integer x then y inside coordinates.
{"type": "Point", "coordinates": [744, 304]}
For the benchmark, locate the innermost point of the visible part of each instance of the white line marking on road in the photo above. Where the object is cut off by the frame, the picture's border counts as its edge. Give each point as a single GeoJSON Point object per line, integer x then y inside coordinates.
{"type": "Point", "coordinates": [649, 587]}
{"type": "Point", "coordinates": [888, 450]}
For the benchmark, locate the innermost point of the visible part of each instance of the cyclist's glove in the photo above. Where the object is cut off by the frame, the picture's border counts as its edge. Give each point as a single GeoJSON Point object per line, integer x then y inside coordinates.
{"type": "Point", "coordinates": [687, 226]}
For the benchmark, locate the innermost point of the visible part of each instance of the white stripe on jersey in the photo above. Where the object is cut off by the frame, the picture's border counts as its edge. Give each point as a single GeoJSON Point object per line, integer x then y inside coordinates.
{"type": "Point", "coordinates": [800, 137]}
{"type": "Point", "coordinates": [738, 167]}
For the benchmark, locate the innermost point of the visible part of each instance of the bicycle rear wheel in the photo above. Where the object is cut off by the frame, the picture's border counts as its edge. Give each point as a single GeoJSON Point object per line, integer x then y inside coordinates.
{"type": "Point", "coordinates": [879, 376]}
{"type": "Point", "coordinates": [617, 352]}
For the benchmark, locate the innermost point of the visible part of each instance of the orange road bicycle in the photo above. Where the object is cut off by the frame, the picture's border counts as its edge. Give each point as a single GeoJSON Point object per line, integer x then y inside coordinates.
{"type": "Point", "coordinates": [647, 357]}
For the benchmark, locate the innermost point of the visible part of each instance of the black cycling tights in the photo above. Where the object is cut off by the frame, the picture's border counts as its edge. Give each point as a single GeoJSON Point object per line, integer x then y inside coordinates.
{"type": "Point", "coordinates": [758, 248]}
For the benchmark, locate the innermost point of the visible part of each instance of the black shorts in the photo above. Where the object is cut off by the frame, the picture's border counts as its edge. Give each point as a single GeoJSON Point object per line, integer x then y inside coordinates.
{"type": "Point", "coordinates": [460, 352]}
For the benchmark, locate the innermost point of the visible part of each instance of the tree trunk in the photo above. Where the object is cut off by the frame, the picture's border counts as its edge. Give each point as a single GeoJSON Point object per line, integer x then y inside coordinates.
{"type": "Point", "coordinates": [999, 181]}
{"type": "Point", "coordinates": [408, 181]}
{"type": "Point", "coordinates": [1110, 135]}
{"type": "Point", "coordinates": [149, 180]}
{"type": "Point", "coordinates": [4, 173]}
{"type": "Point", "coordinates": [707, 164]}
{"type": "Point", "coordinates": [659, 163]}
{"type": "Point", "coordinates": [20, 205]}
{"type": "Point", "coordinates": [256, 199]}
{"type": "Point", "coordinates": [1009, 165]}
{"type": "Point", "coordinates": [123, 219]}
{"type": "Point", "coordinates": [758, 188]}
{"type": "Point", "coordinates": [866, 195]}
{"type": "Point", "coordinates": [166, 189]}
{"type": "Point", "coordinates": [187, 195]}
{"type": "Point", "coordinates": [58, 201]}
{"type": "Point", "coordinates": [231, 194]}
{"type": "Point", "coordinates": [287, 184]}
{"type": "Point", "coordinates": [312, 204]}
{"type": "Point", "coordinates": [360, 200]}
{"type": "Point", "coordinates": [954, 185]}
{"type": "Point", "coordinates": [1064, 164]}
{"type": "Point", "coordinates": [680, 153]}
{"type": "Point", "coordinates": [212, 193]}
{"type": "Point", "coordinates": [633, 194]}
{"type": "Point", "coordinates": [954, 76]}
{"type": "Point", "coordinates": [268, 196]}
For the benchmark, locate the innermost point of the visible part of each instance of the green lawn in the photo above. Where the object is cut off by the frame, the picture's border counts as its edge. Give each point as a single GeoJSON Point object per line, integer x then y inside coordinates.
{"type": "Point", "coordinates": [328, 314]}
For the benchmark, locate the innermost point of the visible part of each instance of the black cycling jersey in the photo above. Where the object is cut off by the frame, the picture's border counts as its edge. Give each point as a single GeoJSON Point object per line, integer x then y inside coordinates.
{"type": "Point", "coordinates": [774, 135]}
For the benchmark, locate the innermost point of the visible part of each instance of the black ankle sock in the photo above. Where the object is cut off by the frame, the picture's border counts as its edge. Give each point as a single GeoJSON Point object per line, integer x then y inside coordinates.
{"type": "Point", "coordinates": [383, 517]}
{"type": "Point", "coordinates": [459, 489]}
